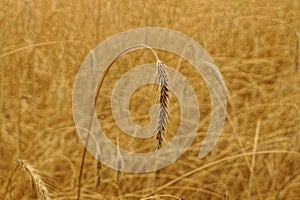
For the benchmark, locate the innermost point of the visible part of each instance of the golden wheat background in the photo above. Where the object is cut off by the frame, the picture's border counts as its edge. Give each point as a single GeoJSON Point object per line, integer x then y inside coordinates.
{"type": "Point", "coordinates": [255, 45]}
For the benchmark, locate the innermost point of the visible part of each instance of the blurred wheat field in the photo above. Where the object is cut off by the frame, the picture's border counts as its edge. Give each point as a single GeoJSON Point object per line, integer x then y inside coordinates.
{"type": "Point", "coordinates": [254, 43]}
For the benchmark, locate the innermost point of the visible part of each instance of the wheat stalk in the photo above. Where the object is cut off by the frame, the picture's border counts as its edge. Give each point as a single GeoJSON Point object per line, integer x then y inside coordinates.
{"type": "Point", "coordinates": [297, 53]}
{"type": "Point", "coordinates": [98, 182]}
{"type": "Point", "coordinates": [163, 101]}
{"type": "Point", "coordinates": [40, 185]}
{"type": "Point", "coordinates": [119, 161]}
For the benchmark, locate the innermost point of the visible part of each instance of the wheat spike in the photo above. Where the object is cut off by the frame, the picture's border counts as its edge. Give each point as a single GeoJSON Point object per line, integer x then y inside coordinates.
{"type": "Point", "coordinates": [40, 185]}
{"type": "Point", "coordinates": [99, 174]}
{"type": "Point", "coordinates": [163, 101]}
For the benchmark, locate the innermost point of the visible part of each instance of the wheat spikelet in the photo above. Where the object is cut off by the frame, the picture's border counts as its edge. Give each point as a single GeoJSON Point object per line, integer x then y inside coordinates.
{"type": "Point", "coordinates": [40, 185]}
{"type": "Point", "coordinates": [163, 101]}
{"type": "Point", "coordinates": [99, 175]}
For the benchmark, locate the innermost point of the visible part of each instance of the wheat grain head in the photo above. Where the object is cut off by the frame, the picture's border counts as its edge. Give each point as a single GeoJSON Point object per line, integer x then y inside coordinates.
{"type": "Point", "coordinates": [39, 184]}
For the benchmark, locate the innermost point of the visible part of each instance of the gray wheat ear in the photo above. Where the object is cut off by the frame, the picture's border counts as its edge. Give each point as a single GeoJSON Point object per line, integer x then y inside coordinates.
{"type": "Point", "coordinates": [40, 185]}
{"type": "Point", "coordinates": [99, 174]}
{"type": "Point", "coordinates": [163, 103]}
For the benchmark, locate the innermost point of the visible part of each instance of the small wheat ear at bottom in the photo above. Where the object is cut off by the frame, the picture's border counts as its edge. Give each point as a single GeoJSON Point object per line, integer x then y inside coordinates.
{"type": "Point", "coordinates": [163, 104]}
{"type": "Point", "coordinates": [40, 185]}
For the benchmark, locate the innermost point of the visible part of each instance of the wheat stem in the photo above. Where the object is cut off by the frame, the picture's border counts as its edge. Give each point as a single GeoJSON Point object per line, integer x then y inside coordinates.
{"type": "Point", "coordinates": [297, 53]}
{"type": "Point", "coordinates": [253, 160]}
{"type": "Point", "coordinates": [119, 161]}
{"type": "Point", "coordinates": [162, 195]}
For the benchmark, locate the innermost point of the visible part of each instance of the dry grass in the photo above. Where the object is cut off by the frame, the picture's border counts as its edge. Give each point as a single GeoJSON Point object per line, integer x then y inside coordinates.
{"type": "Point", "coordinates": [256, 47]}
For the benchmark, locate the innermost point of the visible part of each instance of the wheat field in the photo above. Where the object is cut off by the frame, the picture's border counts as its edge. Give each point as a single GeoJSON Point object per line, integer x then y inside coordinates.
{"type": "Point", "coordinates": [254, 43]}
